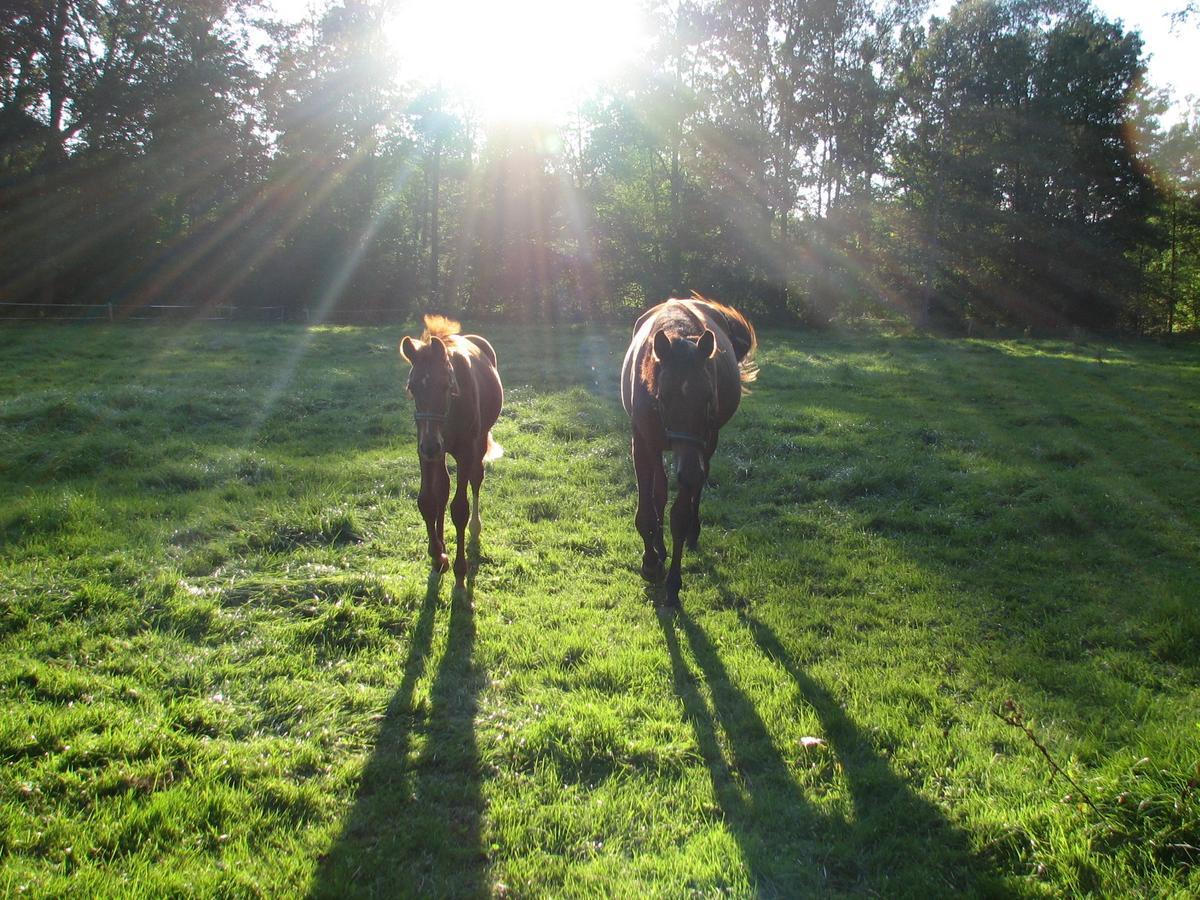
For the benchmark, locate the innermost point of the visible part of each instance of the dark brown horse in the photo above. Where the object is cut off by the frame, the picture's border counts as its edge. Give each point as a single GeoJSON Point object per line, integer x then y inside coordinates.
{"type": "Point", "coordinates": [681, 381]}
{"type": "Point", "coordinates": [456, 389]}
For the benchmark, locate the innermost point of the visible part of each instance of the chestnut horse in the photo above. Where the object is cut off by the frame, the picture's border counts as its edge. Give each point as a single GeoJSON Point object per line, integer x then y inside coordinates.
{"type": "Point", "coordinates": [682, 379]}
{"type": "Point", "coordinates": [457, 393]}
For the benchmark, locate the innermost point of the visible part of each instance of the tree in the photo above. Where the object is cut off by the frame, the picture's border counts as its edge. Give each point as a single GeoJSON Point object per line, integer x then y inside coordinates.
{"type": "Point", "coordinates": [123, 124]}
{"type": "Point", "coordinates": [1016, 164]}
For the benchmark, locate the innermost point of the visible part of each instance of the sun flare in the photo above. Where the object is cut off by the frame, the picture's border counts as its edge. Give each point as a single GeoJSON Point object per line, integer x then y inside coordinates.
{"type": "Point", "coordinates": [517, 60]}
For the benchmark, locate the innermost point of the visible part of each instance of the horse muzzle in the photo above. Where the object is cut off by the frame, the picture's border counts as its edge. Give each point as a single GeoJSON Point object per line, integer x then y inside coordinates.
{"type": "Point", "coordinates": [690, 471]}
{"type": "Point", "coordinates": [431, 450]}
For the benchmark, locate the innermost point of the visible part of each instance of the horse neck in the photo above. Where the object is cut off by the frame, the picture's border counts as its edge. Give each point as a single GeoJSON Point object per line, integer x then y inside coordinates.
{"type": "Point", "coordinates": [468, 389]}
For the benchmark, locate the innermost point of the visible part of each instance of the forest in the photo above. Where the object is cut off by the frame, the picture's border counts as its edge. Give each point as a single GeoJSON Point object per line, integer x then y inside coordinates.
{"type": "Point", "coordinates": [1002, 168]}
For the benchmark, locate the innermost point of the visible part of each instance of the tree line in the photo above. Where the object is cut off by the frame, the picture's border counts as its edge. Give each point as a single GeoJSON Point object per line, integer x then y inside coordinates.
{"type": "Point", "coordinates": [1003, 166]}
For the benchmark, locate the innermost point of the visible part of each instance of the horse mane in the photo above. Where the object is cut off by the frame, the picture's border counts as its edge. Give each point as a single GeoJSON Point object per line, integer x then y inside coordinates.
{"type": "Point", "coordinates": [448, 331]}
{"type": "Point", "coordinates": [650, 368]}
{"type": "Point", "coordinates": [439, 327]}
{"type": "Point", "coordinates": [741, 334]}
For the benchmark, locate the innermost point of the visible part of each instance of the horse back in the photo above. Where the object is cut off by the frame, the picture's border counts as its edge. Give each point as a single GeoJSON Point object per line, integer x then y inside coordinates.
{"type": "Point", "coordinates": [480, 367]}
{"type": "Point", "coordinates": [484, 347]}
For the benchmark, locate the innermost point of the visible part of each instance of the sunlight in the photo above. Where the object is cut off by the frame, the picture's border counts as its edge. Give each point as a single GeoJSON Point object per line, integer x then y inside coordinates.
{"type": "Point", "coordinates": [525, 60]}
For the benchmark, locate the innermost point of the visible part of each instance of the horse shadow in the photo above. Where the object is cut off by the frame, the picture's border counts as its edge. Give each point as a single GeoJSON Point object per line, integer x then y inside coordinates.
{"type": "Point", "coordinates": [415, 828]}
{"type": "Point", "coordinates": [790, 845]}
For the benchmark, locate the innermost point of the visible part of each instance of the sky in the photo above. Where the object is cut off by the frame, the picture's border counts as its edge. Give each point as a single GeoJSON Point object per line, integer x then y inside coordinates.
{"type": "Point", "coordinates": [1174, 53]}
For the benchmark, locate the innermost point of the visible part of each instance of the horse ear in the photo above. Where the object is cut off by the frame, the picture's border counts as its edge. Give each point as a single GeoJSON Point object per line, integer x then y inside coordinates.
{"type": "Point", "coordinates": [707, 345]}
{"type": "Point", "coordinates": [438, 347]}
{"type": "Point", "coordinates": [662, 345]}
{"type": "Point", "coordinates": [408, 349]}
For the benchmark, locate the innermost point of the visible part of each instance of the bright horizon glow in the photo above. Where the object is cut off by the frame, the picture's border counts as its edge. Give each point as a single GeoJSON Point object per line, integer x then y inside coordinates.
{"type": "Point", "coordinates": [519, 60]}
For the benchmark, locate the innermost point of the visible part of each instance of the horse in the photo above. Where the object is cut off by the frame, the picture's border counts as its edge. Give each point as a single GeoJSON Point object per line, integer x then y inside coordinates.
{"type": "Point", "coordinates": [457, 395]}
{"type": "Point", "coordinates": [682, 379]}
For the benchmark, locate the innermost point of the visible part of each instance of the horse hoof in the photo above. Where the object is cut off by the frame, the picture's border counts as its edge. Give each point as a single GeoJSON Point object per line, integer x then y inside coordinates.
{"type": "Point", "coordinates": [652, 573]}
{"type": "Point", "coordinates": [674, 584]}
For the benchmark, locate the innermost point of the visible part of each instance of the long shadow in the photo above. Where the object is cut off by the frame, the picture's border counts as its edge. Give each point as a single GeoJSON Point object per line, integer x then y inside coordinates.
{"type": "Point", "coordinates": [415, 829]}
{"type": "Point", "coordinates": [761, 803]}
{"type": "Point", "coordinates": [1021, 482]}
{"type": "Point", "coordinates": [888, 816]}
{"type": "Point", "coordinates": [791, 848]}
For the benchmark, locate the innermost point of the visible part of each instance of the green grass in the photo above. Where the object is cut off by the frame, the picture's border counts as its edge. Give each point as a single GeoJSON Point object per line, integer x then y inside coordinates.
{"type": "Point", "coordinates": [223, 669]}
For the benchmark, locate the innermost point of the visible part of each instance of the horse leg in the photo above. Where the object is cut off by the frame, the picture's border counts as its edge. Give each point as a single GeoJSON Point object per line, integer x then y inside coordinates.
{"type": "Point", "coordinates": [647, 521]}
{"type": "Point", "coordinates": [693, 533]}
{"type": "Point", "coordinates": [681, 526]}
{"type": "Point", "coordinates": [693, 539]}
{"type": "Point", "coordinates": [660, 504]}
{"type": "Point", "coordinates": [459, 510]}
{"type": "Point", "coordinates": [477, 482]}
{"type": "Point", "coordinates": [435, 489]}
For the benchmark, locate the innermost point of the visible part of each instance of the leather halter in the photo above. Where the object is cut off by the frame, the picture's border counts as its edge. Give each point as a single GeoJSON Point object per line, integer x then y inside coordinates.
{"type": "Point", "coordinates": [441, 417]}
{"type": "Point", "coordinates": [686, 438]}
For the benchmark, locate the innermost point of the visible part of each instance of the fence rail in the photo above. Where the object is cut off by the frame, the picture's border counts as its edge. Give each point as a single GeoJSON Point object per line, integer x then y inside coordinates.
{"type": "Point", "coordinates": [92, 312]}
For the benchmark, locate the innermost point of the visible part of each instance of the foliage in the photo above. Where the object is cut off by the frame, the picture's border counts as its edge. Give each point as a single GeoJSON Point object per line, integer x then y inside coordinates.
{"type": "Point", "coordinates": [222, 669]}
{"type": "Point", "coordinates": [1003, 167]}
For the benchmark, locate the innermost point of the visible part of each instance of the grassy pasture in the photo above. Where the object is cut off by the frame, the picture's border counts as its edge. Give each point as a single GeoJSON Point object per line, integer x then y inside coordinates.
{"type": "Point", "coordinates": [223, 669]}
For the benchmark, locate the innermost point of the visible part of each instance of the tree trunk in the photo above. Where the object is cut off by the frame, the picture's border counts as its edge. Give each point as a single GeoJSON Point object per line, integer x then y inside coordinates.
{"type": "Point", "coordinates": [1172, 291]}
{"type": "Point", "coordinates": [53, 149]}
{"type": "Point", "coordinates": [434, 236]}
{"type": "Point", "coordinates": [925, 310]}
{"type": "Point", "coordinates": [676, 254]}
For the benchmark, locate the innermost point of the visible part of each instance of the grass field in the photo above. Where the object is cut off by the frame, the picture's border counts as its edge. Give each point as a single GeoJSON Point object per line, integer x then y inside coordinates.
{"type": "Point", "coordinates": [223, 669]}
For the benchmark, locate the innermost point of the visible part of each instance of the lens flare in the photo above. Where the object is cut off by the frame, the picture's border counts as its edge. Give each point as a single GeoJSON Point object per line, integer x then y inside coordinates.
{"type": "Point", "coordinates": [523, 60]}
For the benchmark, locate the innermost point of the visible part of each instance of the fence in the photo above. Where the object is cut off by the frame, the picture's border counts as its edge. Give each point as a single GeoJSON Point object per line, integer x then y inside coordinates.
{"type": "Point", "coordinates": [154, 312]}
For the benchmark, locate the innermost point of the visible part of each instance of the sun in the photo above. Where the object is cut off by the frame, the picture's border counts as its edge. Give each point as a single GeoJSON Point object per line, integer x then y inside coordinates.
{"type": "Point", "coordinates": [517, 60]}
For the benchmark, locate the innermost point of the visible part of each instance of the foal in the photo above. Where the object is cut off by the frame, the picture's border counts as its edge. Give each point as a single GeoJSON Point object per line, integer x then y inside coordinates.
{"type": "Point", "coordinates": [456, 389]}
{"type": "Point", "coordinates": [682, 379]}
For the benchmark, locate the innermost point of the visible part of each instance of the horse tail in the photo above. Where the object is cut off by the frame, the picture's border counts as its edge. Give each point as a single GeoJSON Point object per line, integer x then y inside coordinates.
{"type": "Point", "coordinates": [494, 451]}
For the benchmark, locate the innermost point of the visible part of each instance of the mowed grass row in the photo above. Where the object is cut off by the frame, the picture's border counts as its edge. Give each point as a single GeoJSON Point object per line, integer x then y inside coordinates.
{"type": "Point", "coordinates": [223, 669]}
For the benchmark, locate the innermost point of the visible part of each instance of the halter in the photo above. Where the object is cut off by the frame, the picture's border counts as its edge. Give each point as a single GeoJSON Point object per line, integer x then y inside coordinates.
{"type": "Point", "coordinates": [686, 438]}
{"type": "Point", "coordinates": [441, 417]}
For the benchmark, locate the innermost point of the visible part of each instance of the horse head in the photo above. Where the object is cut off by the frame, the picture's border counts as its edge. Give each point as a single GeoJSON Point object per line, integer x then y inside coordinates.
{"type": "Point", "coordinates": [433, 386]}
{"type": "Point", "coordinates": [685, 392]}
